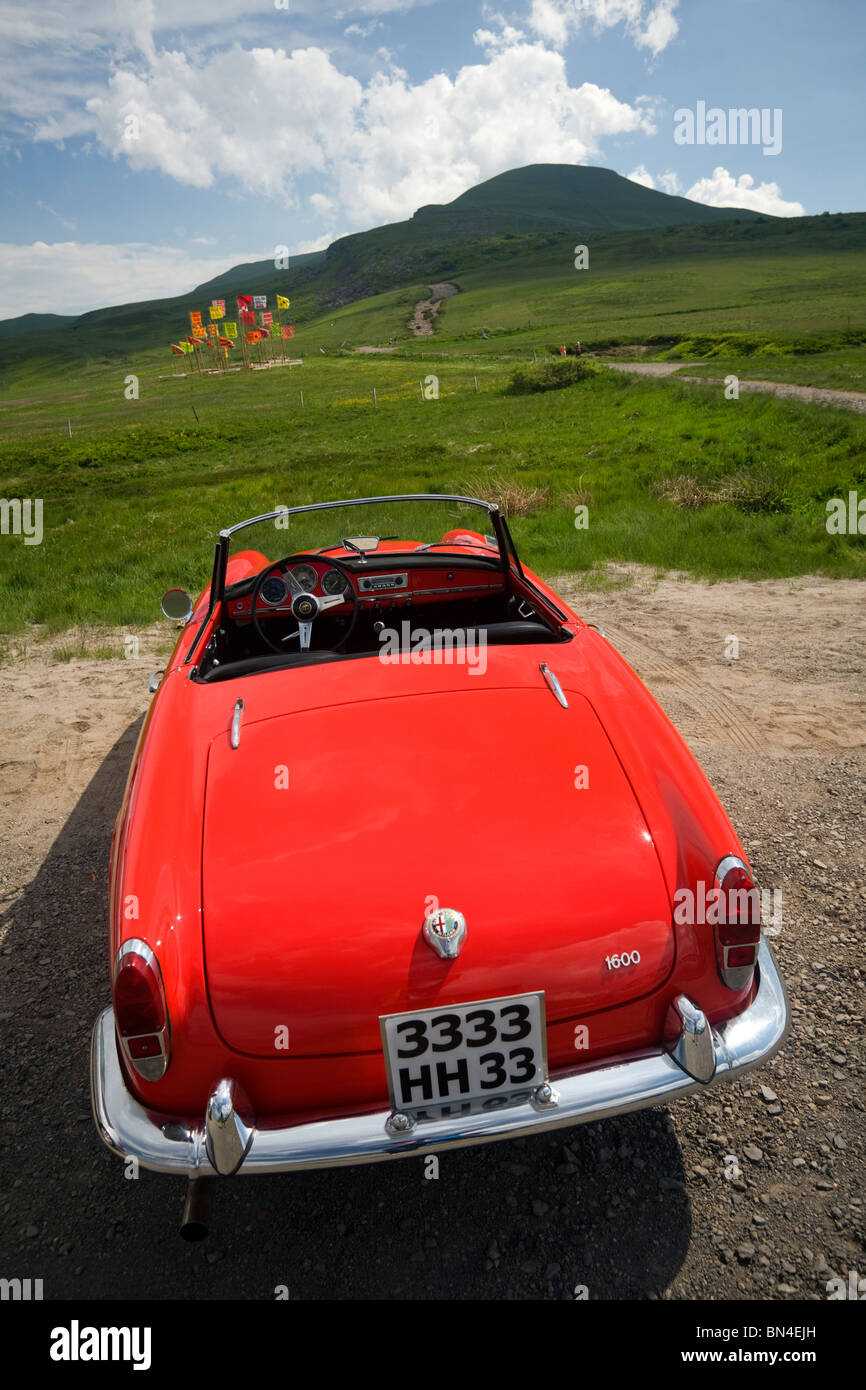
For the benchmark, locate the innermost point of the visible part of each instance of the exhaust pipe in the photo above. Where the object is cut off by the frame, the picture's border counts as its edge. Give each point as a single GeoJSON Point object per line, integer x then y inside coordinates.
{"type": "Point", "coordinates": [196, 1209]}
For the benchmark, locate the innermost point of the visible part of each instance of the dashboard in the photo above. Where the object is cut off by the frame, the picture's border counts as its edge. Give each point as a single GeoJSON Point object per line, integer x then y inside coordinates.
{"type": "Point", "coordinates": [374, 588]}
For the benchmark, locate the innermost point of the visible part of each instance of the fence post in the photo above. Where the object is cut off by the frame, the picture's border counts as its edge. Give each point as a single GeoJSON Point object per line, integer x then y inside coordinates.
{"type": "Point", "coordinates": [374, 395]}
{"type": "Point", "coordinates": [475, 379]}
{"type": "Point", "coordinates": [302, 400]}
{"type": "Point", "coordinates": [195, 413]}
{"type": "Point", "coordinates": [69, 428]}
{"type": "Point", "coordinates": [421, 389]}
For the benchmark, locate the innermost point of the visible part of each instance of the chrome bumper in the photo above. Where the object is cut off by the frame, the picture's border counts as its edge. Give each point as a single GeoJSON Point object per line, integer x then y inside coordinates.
{"type": "Point", "coordinates": [222, 1142]}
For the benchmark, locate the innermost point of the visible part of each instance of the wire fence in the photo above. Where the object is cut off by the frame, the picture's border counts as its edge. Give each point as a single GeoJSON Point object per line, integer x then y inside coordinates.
{"type": "Point", "coordinates": [205, 403]}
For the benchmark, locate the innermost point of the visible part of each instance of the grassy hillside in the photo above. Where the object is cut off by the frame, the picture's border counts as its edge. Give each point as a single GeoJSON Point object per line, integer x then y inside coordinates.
{"type": "Point", "coordinates": [542, 199]}
{"type": "Point", "coordinates": [801, 283]}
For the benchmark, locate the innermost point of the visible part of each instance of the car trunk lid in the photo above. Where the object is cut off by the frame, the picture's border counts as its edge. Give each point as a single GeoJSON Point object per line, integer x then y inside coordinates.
{"type": "Point", "coordinates": [330, 833]}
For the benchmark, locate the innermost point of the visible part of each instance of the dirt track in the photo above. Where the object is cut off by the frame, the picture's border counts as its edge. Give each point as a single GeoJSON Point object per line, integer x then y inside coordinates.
{"type": "Point", "coordinates": [637, 1207]}
{"type": "Point", "coordinates": [426, 310]}
{"type": "Point", "coordinates": [819, 395]}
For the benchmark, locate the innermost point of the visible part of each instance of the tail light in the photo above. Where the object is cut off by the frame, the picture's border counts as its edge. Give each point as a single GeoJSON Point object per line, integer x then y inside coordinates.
{"type": "Point", "coordinates": [140, 1012]}
{"type": "Point", "coordinates": [738, 929]}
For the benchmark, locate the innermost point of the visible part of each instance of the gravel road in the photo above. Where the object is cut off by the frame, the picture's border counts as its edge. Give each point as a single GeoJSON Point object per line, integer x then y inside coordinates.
{"type": "Point", "coordinates": [819, 395]}
{"type": "Point", "coordinates": [644, 1206]}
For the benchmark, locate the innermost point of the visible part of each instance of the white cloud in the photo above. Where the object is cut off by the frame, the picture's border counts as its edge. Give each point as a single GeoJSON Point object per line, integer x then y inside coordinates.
{"type": "Point", "coordinates": [380, 150]}
{"type": "Point", "coordinates": [70, 277]}
{"type": "Point", "coordinates": [54, 55]}
{"type": "Point", "coordinates": [65, 223]}
{"type": "Point", "coordinates": [494, 41]}
{"type": "Point", "coordinates": [722, 190]}
{"type": "Point", "coordinates": [650, 26]}
{"type": "Point", "coordinates": [668, 183]}
{"type": "Point", "coordinates": [642, 175]}
{"type": "Point", "coordinates": [659, 29]}
{"type": "Point", "coordinates": [318, 243]}
{"type": "Point", "coordinates": [362, 31]}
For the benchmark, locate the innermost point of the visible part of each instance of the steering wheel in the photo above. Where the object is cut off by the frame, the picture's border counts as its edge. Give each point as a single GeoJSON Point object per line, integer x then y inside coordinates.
{"type": "Point", "coordinates": [305, 607]}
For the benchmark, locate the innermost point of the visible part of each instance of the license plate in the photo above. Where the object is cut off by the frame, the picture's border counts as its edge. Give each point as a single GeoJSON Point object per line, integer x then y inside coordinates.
{"type": "Point", "coordinates": [465, 1052]}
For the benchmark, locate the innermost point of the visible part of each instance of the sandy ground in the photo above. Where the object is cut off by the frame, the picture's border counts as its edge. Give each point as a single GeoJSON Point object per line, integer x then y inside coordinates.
{"type": "Point", "coordinates": [636, 1207]}
{"type": "Point", "coordinates": [819, 395]}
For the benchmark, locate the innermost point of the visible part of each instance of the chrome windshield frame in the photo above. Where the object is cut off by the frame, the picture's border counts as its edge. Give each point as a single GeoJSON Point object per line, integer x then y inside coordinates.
{"type": "Point", "coordinates": [503, 537]}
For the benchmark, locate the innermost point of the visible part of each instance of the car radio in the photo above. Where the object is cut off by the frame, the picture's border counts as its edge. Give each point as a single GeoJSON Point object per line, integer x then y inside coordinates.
{"type": "Point", "coordinates": [382, 583]}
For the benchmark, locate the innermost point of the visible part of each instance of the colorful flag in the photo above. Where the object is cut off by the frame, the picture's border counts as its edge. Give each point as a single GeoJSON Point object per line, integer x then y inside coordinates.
{"type": "Point", "coordinates": [178, 351]}
{"type": "Point", "coordinates": [194, 319]}
{"type": "Point", "coordinates": [267, 317]}
{"type": "Point", "coordinates": [248, 317]}
{"type": "Point", "coordinates": [199, 332]}
{"type": "Point", "coordinates": [282, 302]}
{"type": "Point", "coordinates": [219, 304]}
{"type": "Point", "coordinates": [216, 312]}
{"type": "Point", "coordinates": [290, 331]}
{"type": "Point", "coordinates": [264, 332]}
{"type": "Point", "coordinates": [260, 301]}
{"type": "Point", "coordinates": [245, 301]}
{"type": "Point", "coordinates": [254, 335]}
{"type": "Point", "coordinates": [225, 342]}
{"type": "Point", "coordinates": [230, 328]}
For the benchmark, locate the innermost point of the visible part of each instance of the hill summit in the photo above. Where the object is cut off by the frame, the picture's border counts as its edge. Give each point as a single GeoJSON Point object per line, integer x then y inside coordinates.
{"type": "Point", "coordinates": [559, 196]}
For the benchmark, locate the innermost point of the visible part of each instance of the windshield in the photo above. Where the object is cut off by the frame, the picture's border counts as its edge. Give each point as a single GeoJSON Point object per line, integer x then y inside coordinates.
{"type": "Point", "coordinates": [352, 530]}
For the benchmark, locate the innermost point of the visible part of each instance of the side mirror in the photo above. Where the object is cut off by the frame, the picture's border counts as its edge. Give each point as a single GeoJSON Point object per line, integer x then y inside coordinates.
{"type": "Point", "coordinates": [177, 605]}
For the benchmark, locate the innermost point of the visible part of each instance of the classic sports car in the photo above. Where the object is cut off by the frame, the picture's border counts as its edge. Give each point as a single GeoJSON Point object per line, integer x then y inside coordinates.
{"type": "Point", "coordinates": [409, 858]}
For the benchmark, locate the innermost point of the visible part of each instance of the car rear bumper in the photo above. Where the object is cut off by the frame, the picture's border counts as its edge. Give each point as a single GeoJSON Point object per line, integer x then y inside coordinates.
{"type": "Point", "coordinates": [224, 1141]}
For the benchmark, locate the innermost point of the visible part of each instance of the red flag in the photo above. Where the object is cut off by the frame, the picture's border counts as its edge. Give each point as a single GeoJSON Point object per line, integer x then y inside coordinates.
{"type": "Point", "coordinates": [291, 332]}
{"type": "Point", "coordinates": [264, 332]}
{"type": "Point", "coordinates": [226, 342]}
{"type": "Point", "coordinates": [245, 301]}
{"type": "Point", "coordinates": [178, 351]}
{"type": "Point", "coordinates": [247, 316]}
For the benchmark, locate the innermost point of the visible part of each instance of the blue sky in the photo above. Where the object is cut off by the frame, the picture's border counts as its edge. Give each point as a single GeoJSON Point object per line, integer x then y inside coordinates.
{"type": "Point", "coordinates": [145, 145]}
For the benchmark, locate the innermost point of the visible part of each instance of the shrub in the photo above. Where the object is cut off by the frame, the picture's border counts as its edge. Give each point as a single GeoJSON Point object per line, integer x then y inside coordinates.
{"type": "Point", "coordinates": [757, 492]}
{"type": "Point", "coordinates": [551, 376]}
{"type": "Point", "coordinates": [512, 498]}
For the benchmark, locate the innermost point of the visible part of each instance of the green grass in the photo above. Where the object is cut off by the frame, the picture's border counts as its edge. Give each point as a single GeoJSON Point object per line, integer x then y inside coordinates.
{"type": "Point", "coordinates": [133, 502]}
{"type": "Point", "coordinates": [82, 650]}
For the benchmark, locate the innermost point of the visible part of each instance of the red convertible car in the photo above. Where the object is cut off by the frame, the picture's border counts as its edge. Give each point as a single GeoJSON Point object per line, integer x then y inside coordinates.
{"type": "Point", "coordinates": [409, 858]}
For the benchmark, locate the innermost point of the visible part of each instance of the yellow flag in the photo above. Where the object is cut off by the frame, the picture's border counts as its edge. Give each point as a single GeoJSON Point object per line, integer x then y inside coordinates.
{"type": "Point", "coordinates": [282, 302]}
{"type": "Point", "coordinates": [230, 329]}
{"type": "Point", "coordinates": [216, 312]}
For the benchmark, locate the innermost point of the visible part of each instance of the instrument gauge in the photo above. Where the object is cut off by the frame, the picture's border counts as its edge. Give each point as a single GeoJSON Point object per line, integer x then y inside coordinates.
{"type": "Point", "coordinates": [274, 590]}
{"type": "Point", "coordinates": [334, 582]}
{"type": "Point", "coordinates": [306, 576]}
